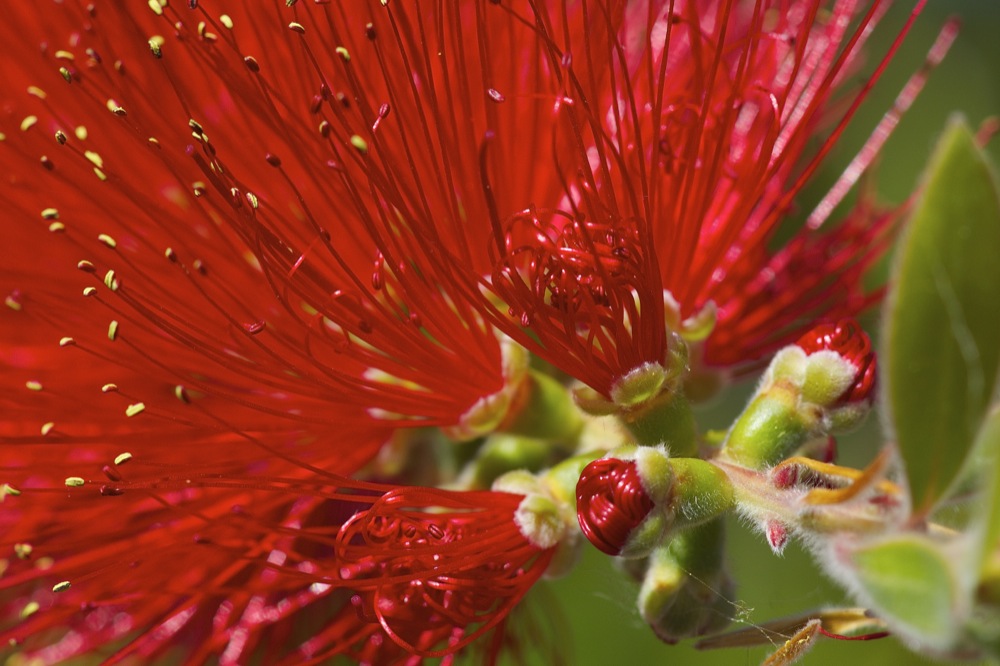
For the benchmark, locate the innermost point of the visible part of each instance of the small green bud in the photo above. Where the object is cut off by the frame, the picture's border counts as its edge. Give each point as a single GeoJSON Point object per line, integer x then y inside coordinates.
{"type": "Point", "coordinates": [502, 453]}
{"type": "Point", "coordinates": [685, 591]}
{"type": "Point", "coordinates": [544, 409]}
{"type": "Point", "coordinates": [592, 402]}
{"type": "Point", "coordinates": [701, 492]}
{"type": "Point", "coordinates": [540, 521]}
{"type": "Point", "coordinates": [543, 518]}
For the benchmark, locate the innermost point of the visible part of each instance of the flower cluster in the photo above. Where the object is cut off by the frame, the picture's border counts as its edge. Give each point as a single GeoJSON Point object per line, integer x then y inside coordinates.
{"type": "Point", "coordinates": [275, 274]}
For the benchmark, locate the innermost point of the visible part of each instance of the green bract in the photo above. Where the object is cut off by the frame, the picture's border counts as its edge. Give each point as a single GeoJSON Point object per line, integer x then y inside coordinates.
{"type": "Point", "coordinates": [909, 582]}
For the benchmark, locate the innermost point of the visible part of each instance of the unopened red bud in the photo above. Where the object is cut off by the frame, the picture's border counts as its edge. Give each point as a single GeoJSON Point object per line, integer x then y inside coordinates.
{"type": "Point", "coordinates": [611, 502]}
{"type": "Point", "coordinates": [777, 535]}
{"type": "Point", "coordinates": [785, 476]}
{"type": "Point", "coordinates": [848, 339]}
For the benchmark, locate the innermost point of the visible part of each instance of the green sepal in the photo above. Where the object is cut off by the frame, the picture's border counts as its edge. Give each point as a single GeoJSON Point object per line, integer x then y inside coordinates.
{"type": "Point", "coordinates": [640, 385]}
{"type": "Point", "coordinates": [827, 376]}
{"type": "Point", "coordinates": [541, 520]}
{"type": "Point", "coordinates": [655, 468]}
{"type": "Point", "coordinates": [647, 535]}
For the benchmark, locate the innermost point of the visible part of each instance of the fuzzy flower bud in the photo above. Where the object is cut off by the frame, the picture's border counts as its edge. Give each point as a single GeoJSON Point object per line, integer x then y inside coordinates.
{"type": "Point", "coordinates": [823, 384]}
{"type": "Point", "coordinates": [649, 400]}
{"type": "Point", "coordinates": [544, 516]}
{"type": "Point", "coordinates": [627, 502]}
{"type": "Point", "coordinates": [685, 588]}
{"type": "Point", "coordinates": [621, 500]}
{"type": "Point", "coordinates": [611, 503]}
{"type": "Point", "coordinates": [850, 343]}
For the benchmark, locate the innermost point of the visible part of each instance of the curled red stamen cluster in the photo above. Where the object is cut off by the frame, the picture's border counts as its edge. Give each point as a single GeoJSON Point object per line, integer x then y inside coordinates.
{"type": "Point", "coordinates": [847, 338]}
{"type": "Point", "coordinates": [431, 563]}
{"type": "Point", "coordinates": [610, 503]}
{"type": "Point", "coordinates": [585, 288]}
{"type": "Point", "coordinates": [580, 266]}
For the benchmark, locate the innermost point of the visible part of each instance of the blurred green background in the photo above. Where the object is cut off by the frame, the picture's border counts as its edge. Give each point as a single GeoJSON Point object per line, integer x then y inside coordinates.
{"type": "Point", "coordinates": [597, 600]}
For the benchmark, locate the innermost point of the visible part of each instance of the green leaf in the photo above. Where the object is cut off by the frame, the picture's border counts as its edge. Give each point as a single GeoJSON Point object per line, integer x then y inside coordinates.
{"type": "Point", "coordinates": [942, 319]}
{"type": "Point", "coordinates": [987, 460]}
{"type": "Point", "coordinates": [908, 581]}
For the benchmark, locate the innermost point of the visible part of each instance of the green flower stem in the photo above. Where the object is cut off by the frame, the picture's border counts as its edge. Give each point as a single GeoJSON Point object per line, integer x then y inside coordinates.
{"type": "Point", "coordinates": [769, 430]}
{"type": "Point", "coordinates": [700, 549]}
{"type": "Point", "coordinates": [665, 419]}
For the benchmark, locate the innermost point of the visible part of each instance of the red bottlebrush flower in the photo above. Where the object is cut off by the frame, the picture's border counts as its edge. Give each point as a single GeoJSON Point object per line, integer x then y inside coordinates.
{"type": "Point", "coordinates": [416, 571]}
{"type": "Point", "coordinates": [611, 502]}
{"type": "Point", "coordinates": [233, 266]}
{"type": "Point", "coordinates": [249, 244]}
{"type": "Point", "coordinates": [254, 242]}
{"type": "Point", "coordinates": [681, 131]}
{"type": "Point", "coordinates": [847, 339]}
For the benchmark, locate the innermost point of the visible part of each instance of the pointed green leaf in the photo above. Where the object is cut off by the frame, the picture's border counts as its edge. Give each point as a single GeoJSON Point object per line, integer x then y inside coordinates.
{"type": "Point", "coordinates": [910, 584]}
{"type": "Point", "coordinates": [942, 319]}
{"type": "Point", "coordinates": [987, 461]}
